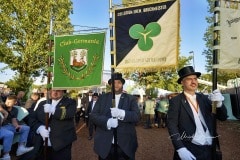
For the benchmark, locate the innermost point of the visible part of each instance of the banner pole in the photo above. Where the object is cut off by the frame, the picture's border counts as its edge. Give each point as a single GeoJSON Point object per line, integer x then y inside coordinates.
{"type": "Point", "coordinates": [48, 84]}
{"type": "Point", "coordinates": [112, 73]}
{"type": "Point", "coordinates": [214, 75]}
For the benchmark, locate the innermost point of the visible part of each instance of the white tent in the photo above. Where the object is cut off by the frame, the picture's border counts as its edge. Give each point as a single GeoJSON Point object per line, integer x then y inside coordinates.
{"type": "Point", "coordinates": [138, 91]}
{"type": "Point", "coordinates": [163, 92]}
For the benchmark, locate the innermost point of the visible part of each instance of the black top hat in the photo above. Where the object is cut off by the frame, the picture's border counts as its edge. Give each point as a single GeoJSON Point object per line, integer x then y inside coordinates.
{"type": "Point", "coordinates": [95, 94]}
{"type": "Point", "coordinates": [187, 71]}
{"type": "Point", "coordinates": [117, 76]}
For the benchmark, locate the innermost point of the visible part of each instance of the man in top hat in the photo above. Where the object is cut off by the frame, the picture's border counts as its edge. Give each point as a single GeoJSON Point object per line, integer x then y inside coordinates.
{"type": "Point", "coordinates": [87, 98]}
{"type": "Point", "coordinates": [190, 122]}
{"type": "Point", "coordinates": [61, 129]}
{"type": "Point", "coordinates": [122, 119]}
{"type": "Point", "coordinates": [91, 105]}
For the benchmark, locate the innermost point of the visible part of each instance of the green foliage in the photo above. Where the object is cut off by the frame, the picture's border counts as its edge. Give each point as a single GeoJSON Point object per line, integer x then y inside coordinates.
{"type": "Point", "coordinates": [19, 83]}
{"type": "Point", "coordinates": [73, 94]}
{"type": "Point", "coordinates": [208, 37]}
{"type": "Point", "coordinates": [24, 38]}
{"type": "Point", "coordinates": [152, 92]}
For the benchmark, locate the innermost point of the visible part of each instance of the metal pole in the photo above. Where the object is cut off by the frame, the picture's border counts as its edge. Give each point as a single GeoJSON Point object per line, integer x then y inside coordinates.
{"type": "Point", "coordinates": [191, 52]}
{"type": "Point", "coordinates": [49, 75]}
{"type": "Point", "coordinates": [112, 74]}
{"type": "Point", "coordinates": [236, 91]}
{"type": "Point", "coordinates": [214, 75]}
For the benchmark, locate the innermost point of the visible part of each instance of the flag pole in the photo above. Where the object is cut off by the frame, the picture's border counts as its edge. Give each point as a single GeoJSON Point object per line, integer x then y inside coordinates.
{"type": "Point", "coordinates": [214, 74]}
{"type": "Point", "coordinates": [48, 84]}
{"type": "Point", "coordinates": [112, 73]}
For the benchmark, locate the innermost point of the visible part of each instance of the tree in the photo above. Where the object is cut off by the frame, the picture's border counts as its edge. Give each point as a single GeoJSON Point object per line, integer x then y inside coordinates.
{"type": "Point", "coordinates": [208, 37]}
{"type": "Point", "coordinates": [24, 38]}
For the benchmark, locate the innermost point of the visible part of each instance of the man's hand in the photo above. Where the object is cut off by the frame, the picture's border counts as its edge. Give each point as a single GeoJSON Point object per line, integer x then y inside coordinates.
{"type": "Point", "coordinates": [44, 132]}
{"type": "Point", "coordinates": [118, 113]}
{"type": "Point", "coordinates": [216, 96]}
{"type": "Point", "coordinates": [18, 127]}
{"type": "Point", "coordinates": [185, 154]}
{"type": "Point", "coordinates": [112, 123]}
{"type": "Point", "coordinates": [48, 108]}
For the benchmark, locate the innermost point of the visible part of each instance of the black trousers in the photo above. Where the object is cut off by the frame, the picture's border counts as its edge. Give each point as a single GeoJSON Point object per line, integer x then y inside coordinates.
{"type": "Point", "coordinates": [91, 127]}
{"type": "Point", "coordinates": [200, 152]}
{"type": "Point", "coordinates": [111, 156]}
{"type": "Point", "coordinates": [64, 154]}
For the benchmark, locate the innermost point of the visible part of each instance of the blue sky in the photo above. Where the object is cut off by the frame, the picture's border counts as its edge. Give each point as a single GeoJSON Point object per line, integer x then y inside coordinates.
{"type": "Point", "coordinates": [192, 28]}
{"type": "Point", "coordinates": [95, 13]}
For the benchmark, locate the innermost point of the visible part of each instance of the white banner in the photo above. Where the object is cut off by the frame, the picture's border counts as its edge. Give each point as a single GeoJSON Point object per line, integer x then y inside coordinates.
{"type": "Point", "coordinates": [229, 57]}
{"type": "Point", "coordinates": [147, 36]}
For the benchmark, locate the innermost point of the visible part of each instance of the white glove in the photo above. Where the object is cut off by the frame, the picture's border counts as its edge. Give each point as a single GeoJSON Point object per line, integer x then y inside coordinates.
{"type": "Point", "coordinates": [112, 123]}
{"type": "Point", "coordinates": [43, 131]}
{"type": "Point", "coordinates": [185, 154]}
{"type": "Point", "coordinates": [48, 108]}
{"type": "Point", "coordinates": [118, 113]}
{"type": "Point", "coordinates": [217, 97]}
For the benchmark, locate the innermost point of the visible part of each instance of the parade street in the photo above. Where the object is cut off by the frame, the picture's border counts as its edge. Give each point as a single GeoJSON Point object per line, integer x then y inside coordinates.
{"type": "Point", "coordinates": [155, 144]}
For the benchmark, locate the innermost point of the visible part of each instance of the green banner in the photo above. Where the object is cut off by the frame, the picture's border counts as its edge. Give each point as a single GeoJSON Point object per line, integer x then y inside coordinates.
{"type": "Point", "coordinates": [78, 60]}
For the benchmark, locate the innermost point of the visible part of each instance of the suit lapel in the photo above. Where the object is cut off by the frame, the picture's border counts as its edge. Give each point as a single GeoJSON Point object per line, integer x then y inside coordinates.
{"type": "Point", "coordinates": [201, 104]}
{"type": "Point", "coordinates": [121, 100]}
{"type": "Point", "coordinates": [60, 103]}
{"type": "Point", "coordinates": [186, 106]}
{"type": "Point", "coordinates": [91, 106]}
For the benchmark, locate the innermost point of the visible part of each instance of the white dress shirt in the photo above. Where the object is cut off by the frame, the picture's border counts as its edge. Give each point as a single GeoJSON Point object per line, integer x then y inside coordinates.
{"type": "Point", "coordinates": [201, 137]}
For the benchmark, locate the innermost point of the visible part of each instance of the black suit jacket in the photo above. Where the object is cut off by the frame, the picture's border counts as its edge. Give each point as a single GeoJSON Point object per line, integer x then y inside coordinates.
{"type": "Point", "coordinates": [63, 131]}
{"type": "Point", "coordinates": [180, 119]}
{"type": "Point", "coordinates": [126, 133]}
{"type": "Point", "coordinates": [89, 108]}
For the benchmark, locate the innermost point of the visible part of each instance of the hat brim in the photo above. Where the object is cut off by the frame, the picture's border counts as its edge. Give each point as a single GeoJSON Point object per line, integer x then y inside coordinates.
{"type": "Point", "coordinates": [122, 80]}
{"type": "Point", "coordinates": [198, 74]}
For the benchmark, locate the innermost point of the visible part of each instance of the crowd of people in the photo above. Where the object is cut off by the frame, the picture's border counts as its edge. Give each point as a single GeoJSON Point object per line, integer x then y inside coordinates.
{"type": "Point", "coordinates": [43, 131]}
{"type": "Point", "coordinates": [154, 111]}
{"type": "Point", "coordinates": [49, 129]}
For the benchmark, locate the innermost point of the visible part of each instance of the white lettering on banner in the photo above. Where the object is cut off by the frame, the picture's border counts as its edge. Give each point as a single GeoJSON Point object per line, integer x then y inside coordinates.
{"type": "Point", "coordinates": [157, 8]}
{"type": "Point", "coordinates": [143, 60]}
{"type": "Point", "coordinates": [140, 10]}
{"type": "Point", "coordinates": [235, 20]}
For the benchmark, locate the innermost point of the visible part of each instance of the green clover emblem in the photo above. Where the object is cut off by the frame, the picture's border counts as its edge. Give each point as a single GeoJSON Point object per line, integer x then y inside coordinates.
{"type": "Point", "coordinates": [145, 42]}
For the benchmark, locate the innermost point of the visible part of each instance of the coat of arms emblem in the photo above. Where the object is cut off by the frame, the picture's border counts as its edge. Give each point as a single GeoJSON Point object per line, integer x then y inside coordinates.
{"type": "Point", "coordinates": [78, 59]}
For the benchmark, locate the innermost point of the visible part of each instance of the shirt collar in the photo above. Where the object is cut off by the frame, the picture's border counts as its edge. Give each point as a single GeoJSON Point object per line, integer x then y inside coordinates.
{"type": "Point", "coordinates": [190, 96]}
